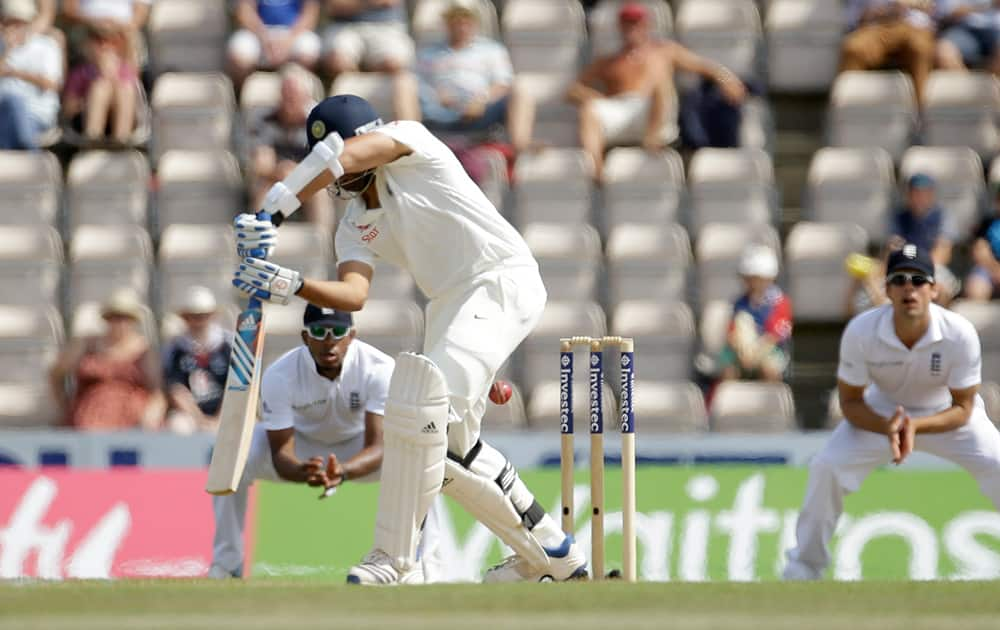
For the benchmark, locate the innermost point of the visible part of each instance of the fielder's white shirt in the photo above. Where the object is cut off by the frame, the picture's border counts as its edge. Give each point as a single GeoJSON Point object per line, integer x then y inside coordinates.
{"type": "Point", "coordinates": [434, 220]}
{"type": "Point", "coordinates": [948, 356]}
{"type": "Point", "coordinates": [328, 411]}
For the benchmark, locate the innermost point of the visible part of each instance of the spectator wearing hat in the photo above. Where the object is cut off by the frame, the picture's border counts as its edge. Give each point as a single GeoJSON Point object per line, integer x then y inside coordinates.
{"type": "Point", "coordinates": [272, 33]}
{"type": "Point", "coordinates": [629, 97]}
{"type": "Point", "coordinates": [922, 221]}
{"type": "Point", "coordinates": [466, 83]}
{"type": "Point", "coordinates": [983, 281]}
{"type": "Point", "coordinates": [881, 31]}
{"type": "Point", "coordinates": [195, 365]}
{"type": "Point", "coordinates": [31, 74]}
{"type": "Point", "coordinates": [114, 377]}
{"type": "Point", "coordinates": [761, 326]}
{"type": "Point", "coordinates": [370, 35]}
{"type": "Point", "coordinates": [969, 34]}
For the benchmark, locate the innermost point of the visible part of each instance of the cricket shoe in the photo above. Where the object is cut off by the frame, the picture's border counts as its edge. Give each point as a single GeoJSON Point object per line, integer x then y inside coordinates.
{"type": "Point", "coordinates": [566, 562]}
{"type": "Point", "coordinates": [377, 569]}
{"type": "Point", "coordinates": [216, 572]}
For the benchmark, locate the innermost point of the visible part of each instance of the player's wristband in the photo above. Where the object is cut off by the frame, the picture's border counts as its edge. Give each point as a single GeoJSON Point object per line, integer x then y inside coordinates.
{"type": "Point", "coordinates": [331, 158]}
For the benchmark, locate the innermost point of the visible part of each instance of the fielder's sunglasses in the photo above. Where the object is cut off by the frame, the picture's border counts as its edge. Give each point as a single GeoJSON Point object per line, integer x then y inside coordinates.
{"type": "Point", "coordinates": [900, 279]}
{"type": "Point", "coordinates": [319, 333]}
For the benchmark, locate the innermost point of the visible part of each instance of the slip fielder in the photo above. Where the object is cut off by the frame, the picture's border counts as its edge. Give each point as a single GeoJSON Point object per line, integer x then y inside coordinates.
{"type": "Point", "coordinates": [321, 424]}
{"type": "Point", "coordinates": [908, 379]}
{"type": "Point", "coordinates": [413, 205]}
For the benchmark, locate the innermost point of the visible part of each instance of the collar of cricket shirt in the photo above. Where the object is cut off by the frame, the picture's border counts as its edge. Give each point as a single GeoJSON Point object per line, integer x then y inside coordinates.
{"type": "Point", "coordinates": [887, 331]}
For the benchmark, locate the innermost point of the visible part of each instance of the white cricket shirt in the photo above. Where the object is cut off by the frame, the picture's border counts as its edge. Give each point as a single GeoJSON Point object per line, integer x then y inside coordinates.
{"type": "Point", "coordinates": [948, 356]}
{"type": "Point", "coordinates": [293, 394]}
{"type": "Point", "coordinates": [434, 220]}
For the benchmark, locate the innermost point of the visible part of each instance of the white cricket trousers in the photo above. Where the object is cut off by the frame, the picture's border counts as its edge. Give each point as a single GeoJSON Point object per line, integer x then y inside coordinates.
{"type": "Point", "coordinates": [471, 331]}
{"type": "Point", "coordinates": [230, 510]}
{"type": "Point", "coordinates": [848, 458]}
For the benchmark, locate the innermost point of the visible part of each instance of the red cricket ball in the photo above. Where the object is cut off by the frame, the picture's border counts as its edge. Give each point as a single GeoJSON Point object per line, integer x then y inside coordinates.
{"type": "Point", "coordinates": [500, 392]}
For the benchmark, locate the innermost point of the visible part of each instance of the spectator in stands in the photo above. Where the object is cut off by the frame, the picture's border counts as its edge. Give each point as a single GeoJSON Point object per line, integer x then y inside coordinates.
{"type": "Point", "coordinates": [629, 97]}
{"type": "Point", "coordinates": [46, 17]}
{"type": "Point", "coordinates": [116, 375]}
{"type": "Point", "coordinates": [884, 31]}
{"type": "Point", "coordinates": [195, 365]}
{"type": "Point", "coordinates": [969, 34]}
{"type": "Point", "coordinates": [272, 33]}
{"type": "Point", "coordinates": [102, 93]}
{"type": "Point", "coordinates": [278, 142]}
{"type": "Point", "coordinates": [119, 20]}
{"type": "Point", "coordinates": [367, 35]}
{"type": "Point", "coordinates": [31, 73]}
{"type": "Point", "coordinates": [983, 282]}
{"type": "Point", "coordinates": [757, 345]}
{"type": "Point", "coordinates": [922, 221]}
{"type": "Point", "coordinates": [466, 83]}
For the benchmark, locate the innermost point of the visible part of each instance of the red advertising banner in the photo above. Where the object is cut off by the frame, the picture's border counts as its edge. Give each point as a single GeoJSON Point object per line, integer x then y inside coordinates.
{"type": "Point", "coordinates": [63, 523]}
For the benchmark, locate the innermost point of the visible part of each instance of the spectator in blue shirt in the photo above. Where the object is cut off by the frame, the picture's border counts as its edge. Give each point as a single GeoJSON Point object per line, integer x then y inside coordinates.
{"type": "Point", "coordinates": [466, 82]}
{"type": "Point", "coordinates": [969, 34]}
{"type": "Point", "coordinates": [922, 221]}
{"type": "Point", "coordinates": [272, 33]}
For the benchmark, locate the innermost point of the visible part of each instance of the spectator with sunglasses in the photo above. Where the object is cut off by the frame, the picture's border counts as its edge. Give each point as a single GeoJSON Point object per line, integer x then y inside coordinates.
{"type": "Point", "coordinates": [908, 379]}
{"type": "Point", "coordinates": [321, 424]}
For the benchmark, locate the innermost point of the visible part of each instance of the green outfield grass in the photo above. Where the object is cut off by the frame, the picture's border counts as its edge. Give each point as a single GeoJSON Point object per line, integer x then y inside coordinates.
{"type": "Point", "coordinates": [285, 603]}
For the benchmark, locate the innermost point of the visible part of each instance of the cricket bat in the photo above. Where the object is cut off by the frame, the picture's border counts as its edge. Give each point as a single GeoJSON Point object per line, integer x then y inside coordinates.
{"type": "Point", "coordinates": [238, 414]}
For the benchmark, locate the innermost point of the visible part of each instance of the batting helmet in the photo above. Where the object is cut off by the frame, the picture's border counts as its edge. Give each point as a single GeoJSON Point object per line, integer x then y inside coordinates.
{"type": "Point", "coordinates": [347, 114]}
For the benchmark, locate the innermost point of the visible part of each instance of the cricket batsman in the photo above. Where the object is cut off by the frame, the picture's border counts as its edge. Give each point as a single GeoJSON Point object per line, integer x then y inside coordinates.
{"type": "Point", "coordinates": [412, 204]}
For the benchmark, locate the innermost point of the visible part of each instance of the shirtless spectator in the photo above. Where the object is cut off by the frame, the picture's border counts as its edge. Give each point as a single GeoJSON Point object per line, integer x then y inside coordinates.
{"type": "Point", "coordinates": [629, 97]}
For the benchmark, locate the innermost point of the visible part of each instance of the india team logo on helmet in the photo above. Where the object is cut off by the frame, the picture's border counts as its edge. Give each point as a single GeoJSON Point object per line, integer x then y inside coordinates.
{"type": "Point", "coordinates": [347, 114]}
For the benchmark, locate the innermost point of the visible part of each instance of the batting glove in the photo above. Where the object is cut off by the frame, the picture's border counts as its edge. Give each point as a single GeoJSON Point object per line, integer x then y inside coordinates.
{"type": "Point", "coordinates": [254, 237]}
{"type": "Point", "coordinates": [267, 281]}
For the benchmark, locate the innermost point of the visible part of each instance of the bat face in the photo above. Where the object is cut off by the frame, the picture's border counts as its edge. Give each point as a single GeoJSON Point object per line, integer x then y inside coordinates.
{"type": "Point", "coordinates": [239, 406]}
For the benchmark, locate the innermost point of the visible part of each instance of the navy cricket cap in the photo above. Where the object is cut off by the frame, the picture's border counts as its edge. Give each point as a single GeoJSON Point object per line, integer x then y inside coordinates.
{"type": "Point", "coordinates": [921, 180]}
{"type": "Point", "coordinates": [347, 114]}
{"type": "Point", "coordinates": [913, 258]}
{"type": "Point", "coordinates": [321, 316]}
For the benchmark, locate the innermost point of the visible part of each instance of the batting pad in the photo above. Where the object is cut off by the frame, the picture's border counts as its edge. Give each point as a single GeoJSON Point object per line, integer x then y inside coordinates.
{"type": "Point", "coordinates": [415, 445]}
{"type": "Point", "coordinates": [483, 498]}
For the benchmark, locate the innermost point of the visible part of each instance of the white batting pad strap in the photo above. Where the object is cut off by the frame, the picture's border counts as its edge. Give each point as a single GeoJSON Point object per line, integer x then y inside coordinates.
{"type": "Point", "coordinates": [279, 197]}
{"type": "Point", "coordinates": [415, 446]}
{"type": "Point", "coordinates": [484, 499]}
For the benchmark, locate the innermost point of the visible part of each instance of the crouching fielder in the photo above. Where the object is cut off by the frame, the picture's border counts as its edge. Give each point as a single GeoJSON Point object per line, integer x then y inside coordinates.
{"type": "Point", "coordinates": [321, 423]}
{"type": "Point", "coordinates": [413, 205]}
{"type": "Point", "coordinates": [908, 379]}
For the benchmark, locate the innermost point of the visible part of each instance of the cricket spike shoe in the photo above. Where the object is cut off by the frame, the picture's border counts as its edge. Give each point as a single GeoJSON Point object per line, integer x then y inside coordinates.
{"type": "Point", "coordinates": [377, 569]}
{"type": "Point", "coordinates": [566, 562]}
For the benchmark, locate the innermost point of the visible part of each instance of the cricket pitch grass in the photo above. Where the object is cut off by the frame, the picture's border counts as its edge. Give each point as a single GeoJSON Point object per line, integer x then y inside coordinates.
{"type": "Point", "coordinates": [290, 603]}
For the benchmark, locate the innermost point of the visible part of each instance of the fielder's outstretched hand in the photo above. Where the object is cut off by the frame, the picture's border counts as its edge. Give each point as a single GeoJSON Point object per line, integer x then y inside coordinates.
{"type": "Point", "coordinates": [266, 281]}
{"type": "Point", "coordinates": [254, 237]}
{"type": "Point", "coordinates": [329, 476]}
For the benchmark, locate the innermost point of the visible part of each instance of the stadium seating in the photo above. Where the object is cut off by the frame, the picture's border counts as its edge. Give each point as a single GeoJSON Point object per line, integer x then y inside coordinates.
{"type": "Point", "coordinates": [30, 337]}
{"type": "Point", "coordinates": [803, 44]}
{"type": "Point", "coordinates": [554, 185]}
{"type": "Point", "coordinates": [283, 327]}
{"type": "Point", "coordinates": [664, 333]}
{"type": "Point", "coordinates": [713, 330]}
{"type": "Point", "coordinates": [641, 187]}
{"type": "Point", "coordinates": [985, 316]}
{"type": "Point", "coordinates": [718, 249]}
{"type": "Point", "coordinates": [262, 93]}
{"type": "Point", "coordinates": [958, 174]}
{"type": "Point", "coordinates": [852, 185]}
{"type": "Point", "coordinates": [556, 119]}
{"type": "Point", "coordinates": [818, 284]}
{"type": "Point", "coordinates": [196, 254]}
{"type": "Point", "coordinates": [669, 407]}
{"type": "Point", "coordinates": [192, 111]}
{"type": "Point", "coordinates": [391, 96]}
{"type": "Point", "coordinates": [108, 188]}
{"type": "Point", "coordinates": [538, 356]}
{"type": "Point", "coordinates": [603, 18]}
{"type": "Point", "coordinates": [752, 407]}
{"type": "Point", "coordinates": [648, 261]}
{"type": "Point", "coordinates": [731, 186]}
{"type": "Point", "coordinates": [961, 109]}
{"type": "Point", "coordinates": [27, 406]}
{"type": "Point", "coordinates": [990, 391]}
{"type": "Point", "coordinates": [187, 35]}
{"type": "Point", "coordinates": [872, 109]}
{"type": "Point", "coordinates": [392, 326]}
{"type": "Point", "coordinates": [543, 37]}
{"type": "Point", "coordinates": [569, 258]}
{"type": "Point", "coordinates": [725, 31]}
{"type": "Point", "coordinates": [305, 247]}
{"type": "Point", "coordinates": [198, 187]}
{"type": "Point", "coordinates": [107, 257]}
{"type": "Point", "coordinates": [390, 282]}
{"type": "Point", "coordinates": [543, 406]}
{"type": "Point", "coordinates": [32, 187]}
{"type": "Point", "coordinates": [31, 259]}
